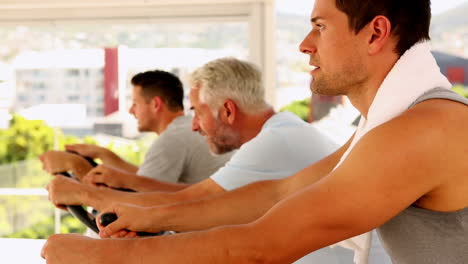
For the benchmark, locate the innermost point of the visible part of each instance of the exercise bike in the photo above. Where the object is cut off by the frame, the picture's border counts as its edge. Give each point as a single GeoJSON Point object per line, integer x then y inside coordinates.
{"type": "Point", "coordinates": [89, 219]}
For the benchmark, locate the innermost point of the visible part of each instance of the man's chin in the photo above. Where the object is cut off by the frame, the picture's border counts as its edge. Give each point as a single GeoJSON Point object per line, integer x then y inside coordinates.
{"type": "Point", "coordinates": [326, 91]}
{"type": "Point", "coordinates": [216, 150]}
{"type": "Point", "coordinates": [143, 129]}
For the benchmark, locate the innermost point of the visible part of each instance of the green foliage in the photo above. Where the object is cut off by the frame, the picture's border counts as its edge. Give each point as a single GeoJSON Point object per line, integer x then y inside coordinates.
{"type": "Point", "coordinates": [460, 89]}
{"type": "Point", "coordinates": [20, 146]}
{"type": "Point", "coordinates": [24, 139]}
{"type": "Point", "coordinates": [45, 228]}
{"type": "Point", "coordinates": [27, 139]}
{"type": "Point", "coordinates": [301, 108]}
{"type": "Point", "coordinates": [133, 152]}
{"type": "Point", "coordinates": [20, 212]}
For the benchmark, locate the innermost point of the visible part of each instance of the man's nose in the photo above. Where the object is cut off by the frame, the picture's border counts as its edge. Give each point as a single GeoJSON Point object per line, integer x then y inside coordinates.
{"type": "Point", "coordinates": [308, 46]}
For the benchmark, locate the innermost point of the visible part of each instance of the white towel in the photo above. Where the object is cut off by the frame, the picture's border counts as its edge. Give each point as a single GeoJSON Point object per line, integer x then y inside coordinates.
{"type": "Point", "coordinates": [414, 73]}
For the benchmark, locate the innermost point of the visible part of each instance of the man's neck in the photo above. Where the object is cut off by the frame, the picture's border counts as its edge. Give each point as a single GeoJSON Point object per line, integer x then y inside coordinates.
{"type": "Point", "coordinates": [166, 120]}
{"type": "Point", "coordinates": [362, 97]}
{"type": "Point", "coordinates": [251, 125]}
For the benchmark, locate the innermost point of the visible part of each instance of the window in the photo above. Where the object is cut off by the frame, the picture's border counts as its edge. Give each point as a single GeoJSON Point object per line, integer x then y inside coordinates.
{"type": "Point", "coordinates": [73, 98]}
{"type": "Point", "coordinates": [59, 56]}
{"type": "Point", "coordinates": [73, 72]}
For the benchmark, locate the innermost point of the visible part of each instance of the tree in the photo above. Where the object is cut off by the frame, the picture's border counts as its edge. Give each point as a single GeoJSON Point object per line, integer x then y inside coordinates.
{"type": "Point", "coordinates": [460, 89]}
{"type": "Point", "coordinates": [24, 139]}
{"type": "Point", "coordinates": [20, 146]}
{"type": "Point", "coordinates": [301, 108]}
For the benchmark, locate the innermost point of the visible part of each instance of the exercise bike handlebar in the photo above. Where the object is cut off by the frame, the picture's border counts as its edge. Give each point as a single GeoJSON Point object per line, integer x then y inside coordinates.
{"type": "Point", "coordinates": [78, 211]}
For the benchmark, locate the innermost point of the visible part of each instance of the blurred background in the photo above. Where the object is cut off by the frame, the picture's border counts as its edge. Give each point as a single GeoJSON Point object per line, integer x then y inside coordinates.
{"type": "Point", "coordinates": [64, 78]}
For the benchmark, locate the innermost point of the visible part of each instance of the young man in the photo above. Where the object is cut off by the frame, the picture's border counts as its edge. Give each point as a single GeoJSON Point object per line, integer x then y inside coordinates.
{"type": "Point", "coordinates": [176, 159]}
{"type": "Point", "coordinates": [404, 170]}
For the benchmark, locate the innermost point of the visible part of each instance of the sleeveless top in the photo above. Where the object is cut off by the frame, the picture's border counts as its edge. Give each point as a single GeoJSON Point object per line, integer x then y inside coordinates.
{"type": "Point", "coordinates": [421, 236]}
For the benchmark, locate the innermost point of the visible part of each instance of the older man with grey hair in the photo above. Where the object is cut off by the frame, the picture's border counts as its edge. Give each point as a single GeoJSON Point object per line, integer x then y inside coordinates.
{"type": "Point", "coordinates": [227, 98]}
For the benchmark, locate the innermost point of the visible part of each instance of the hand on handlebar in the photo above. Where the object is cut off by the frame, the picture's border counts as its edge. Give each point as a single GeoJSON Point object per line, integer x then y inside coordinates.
{"type": "Point", "coordinates": [65, 191]}
{"type": "Point", "coordinates": [60, 161]}
{"type": "Point", "coordinates": [128, 220]}
{"type": "Point", "coordinates": [106, 175]}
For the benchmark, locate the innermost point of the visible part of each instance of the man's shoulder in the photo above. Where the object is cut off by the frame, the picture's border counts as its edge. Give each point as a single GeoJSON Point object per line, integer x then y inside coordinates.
{"type": "Point", "coordinates": [181, 123]}
{"type": "Point", "coordinates": [288, 133]}
{"type": "Point", "coordinates": [180, 134]}
{"type": "Point", "coordinates": [290, 128]}
{"type": "Point", "coordinates": [429, 134]}
{"type": "Point", "coordinates": [180, 127]}
{"type": "Point", "coordinates": [441, 113]}
{"type": "Point", "coordinates": [284, 119]}
{"type": "Point", "coordinates": [442, 122]}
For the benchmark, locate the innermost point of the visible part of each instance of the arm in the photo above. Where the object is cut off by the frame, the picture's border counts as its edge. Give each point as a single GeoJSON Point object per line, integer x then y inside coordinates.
{"type": "Point", "coordinates": [116, 178]}
{"type": "Point", "coordinates": [105, 155]}
{"type": "Point", "coordinates": [102, 200]}
{"type": "Point", "coordinates": [63, 190]}
{"type": "Point", "coordinates": [239, 206]}
{"type": "Point", "coordinates": [145, 184]}
{"type": "Point", "coordinates": [363, 193]}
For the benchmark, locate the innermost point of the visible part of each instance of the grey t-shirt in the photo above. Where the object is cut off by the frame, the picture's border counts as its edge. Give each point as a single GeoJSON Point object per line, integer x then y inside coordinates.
{"type": "Point", "coordinates": [180, 155]}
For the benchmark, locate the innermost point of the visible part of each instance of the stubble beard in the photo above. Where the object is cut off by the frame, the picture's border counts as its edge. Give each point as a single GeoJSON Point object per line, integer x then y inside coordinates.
{"type": "Point", "coordinates": [224, 140]}
{"type": "Point", "coordinates": [337, 84]}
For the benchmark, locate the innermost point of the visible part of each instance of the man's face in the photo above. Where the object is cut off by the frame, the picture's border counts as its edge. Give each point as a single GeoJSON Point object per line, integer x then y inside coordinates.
{"type": "Point", "coordinates": [142, 110]}
{"type": "Point", "coordinates": [336, 51]}
{"type": "Point", "coordinates": [220, 137]}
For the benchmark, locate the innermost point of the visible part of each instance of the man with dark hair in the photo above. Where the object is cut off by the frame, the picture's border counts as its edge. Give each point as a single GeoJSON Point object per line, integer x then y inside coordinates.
{"type": "Point", "coordinates": [176, 159]}
{"type": "Point", "coordinates": [404, 171]}
{"type": "Point", "coordinates": [163, 84]}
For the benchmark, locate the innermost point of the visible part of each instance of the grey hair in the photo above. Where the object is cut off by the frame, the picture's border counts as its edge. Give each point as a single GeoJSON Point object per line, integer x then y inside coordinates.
{"type": "Point", "coordinates": [230, 78]}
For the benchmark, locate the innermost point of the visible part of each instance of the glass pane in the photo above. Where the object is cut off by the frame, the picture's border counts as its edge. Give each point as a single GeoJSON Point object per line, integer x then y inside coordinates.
{"type": "Point", "coordinates": [55, 91]}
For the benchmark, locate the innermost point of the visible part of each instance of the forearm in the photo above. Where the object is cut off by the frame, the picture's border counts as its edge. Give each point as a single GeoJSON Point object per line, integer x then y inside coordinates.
{"type": "Point", "coordinates": [239, 206]}
{"type": "Point", "coordinates": [197, 247]}
{"type": "Point", "coordinates": [110, 158]}
{"type": "Point", "coordinates": [145, 184]}
{"type": "Point", "coordinates": [196, 191]}
{"type": "Point", "coordinates": [102, 198]}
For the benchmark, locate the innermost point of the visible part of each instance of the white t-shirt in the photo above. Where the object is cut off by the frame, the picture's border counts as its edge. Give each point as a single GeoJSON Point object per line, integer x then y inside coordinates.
{"type": "Point", "coordinates": [285, 145]}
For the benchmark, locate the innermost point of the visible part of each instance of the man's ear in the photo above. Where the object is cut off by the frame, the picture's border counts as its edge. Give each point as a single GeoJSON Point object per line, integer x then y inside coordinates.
{"type": "Point", "coordinates": [380, 30]}
{"type": "Point", "coordinates": [228, 112]}
{"type": "Point", "coordinates": [157, 103]}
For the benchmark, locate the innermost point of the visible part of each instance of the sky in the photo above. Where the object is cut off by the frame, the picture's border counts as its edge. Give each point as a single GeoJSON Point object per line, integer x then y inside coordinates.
{"type": "Point", "coordinates": [303, 7]}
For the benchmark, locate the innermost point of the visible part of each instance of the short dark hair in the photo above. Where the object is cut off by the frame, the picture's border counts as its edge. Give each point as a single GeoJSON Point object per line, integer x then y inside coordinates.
{"type": "Point", "coordinates": [410, 19]}
{"type": "Point", "coordinates": [163, 84]}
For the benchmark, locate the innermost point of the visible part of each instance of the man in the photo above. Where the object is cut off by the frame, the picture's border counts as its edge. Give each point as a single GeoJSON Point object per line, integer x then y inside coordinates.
{"type": "Point", "coordinates": [230, 111]}
{"type": "Point", "coordinates": [176, 159]}
{"type": "Point", "coordinates": [404, 171]}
